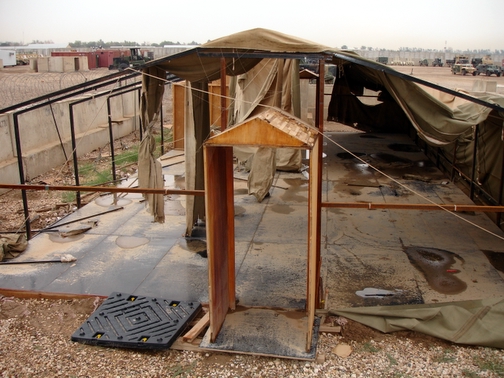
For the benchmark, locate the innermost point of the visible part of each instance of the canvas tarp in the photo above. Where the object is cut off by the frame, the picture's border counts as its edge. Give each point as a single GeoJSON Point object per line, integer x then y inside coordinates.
{"type": "Point", "coordinates": [477, 322]}
{"type": "Point", "coordinates": [271, 83]}
{"type": "Point", "coordinates": [149, 168]}
{"type": "Point", "coordinates": [438, 118]}
{"type": "Point", "coordinates": [441, 119]}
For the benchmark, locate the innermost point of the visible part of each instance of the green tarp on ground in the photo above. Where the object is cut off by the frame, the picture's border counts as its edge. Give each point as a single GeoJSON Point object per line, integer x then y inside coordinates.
{"type": "Point", "coordinates": [477, 322]}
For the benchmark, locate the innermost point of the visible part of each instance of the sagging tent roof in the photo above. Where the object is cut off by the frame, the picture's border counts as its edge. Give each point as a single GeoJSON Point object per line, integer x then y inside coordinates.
{"type": "Point", "coordinates": [244, 50]}
{"type": "Point", "coordinates": [440, 115]}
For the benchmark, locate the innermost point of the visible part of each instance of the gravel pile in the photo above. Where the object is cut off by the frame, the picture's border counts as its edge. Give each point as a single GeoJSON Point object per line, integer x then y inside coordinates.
{"type": "Point", "coordinates": [35, 341]}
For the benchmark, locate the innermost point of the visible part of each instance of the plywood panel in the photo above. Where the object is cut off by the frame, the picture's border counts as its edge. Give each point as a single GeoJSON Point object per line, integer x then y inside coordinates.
{"type": "Point", "coordinates": [178, 92]}
{"type": "Point", "coordinates": [219, 204]}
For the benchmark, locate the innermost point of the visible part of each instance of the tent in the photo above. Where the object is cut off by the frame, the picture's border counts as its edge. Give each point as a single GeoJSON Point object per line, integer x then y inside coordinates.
{"type": "Point", "coordinates": [262, 66]}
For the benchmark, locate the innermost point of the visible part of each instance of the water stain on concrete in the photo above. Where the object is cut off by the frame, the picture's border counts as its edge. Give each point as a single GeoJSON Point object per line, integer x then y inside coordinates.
{"type": "Point", "coordinates": [58, 238]}
{"type": "Point", "coordinates": [496, 259]}
{"type": "Point", "coordinates": [198, 246]}
{"type": "Point", "coordinates": [130, 242]}
{"type": "Point", "coordinates": [296, 186]}
{"type": "Point", "coordinates": [436, 266]}
{"type": "Point", "coordinates": [109, 201]}
{"type": "Point", "coordinates": [348, 155]}
{"type": "Point", "coordinates": [404, 147]}
{"type": "Point", "coordinates": [281, 209]}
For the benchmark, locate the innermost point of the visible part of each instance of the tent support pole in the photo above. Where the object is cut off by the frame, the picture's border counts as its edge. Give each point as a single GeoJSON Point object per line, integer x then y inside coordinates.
{"type": "Point", "coordinates": [475, 154]}
{"type": "Point", "coordinates": [501, 189]}
{"type": "Point", "coordinates": [223, 94]}
{"type": "Point", "coordinates": [454, 161]}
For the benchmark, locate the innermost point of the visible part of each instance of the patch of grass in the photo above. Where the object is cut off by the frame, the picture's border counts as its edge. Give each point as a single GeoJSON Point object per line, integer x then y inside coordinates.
{"type": "Point", "coordinates": [445, 357]}
{"type": "Point", "coordinates": [470, 374]}
{"type": "Point", "coordinates": [127, 157]}
{"type": "Point", "coordinates": [392, 360]}
{"type": "Point", "coordinates": [368, 347]}
{"type": "Point", "coordinates": [67, 197]}
{"type": "Point", "coordinates": [181, 371]}
{"type": "Point", "coordinates": [490, 363]}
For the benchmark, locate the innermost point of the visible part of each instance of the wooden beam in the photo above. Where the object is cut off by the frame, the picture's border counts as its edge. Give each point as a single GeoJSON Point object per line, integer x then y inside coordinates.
{"type": "Point", "coordinates": [195, 331]}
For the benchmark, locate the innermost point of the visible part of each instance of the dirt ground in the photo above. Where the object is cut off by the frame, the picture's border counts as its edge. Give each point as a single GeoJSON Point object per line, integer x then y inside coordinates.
{"type": "Point", "coordinates": [64, 316]}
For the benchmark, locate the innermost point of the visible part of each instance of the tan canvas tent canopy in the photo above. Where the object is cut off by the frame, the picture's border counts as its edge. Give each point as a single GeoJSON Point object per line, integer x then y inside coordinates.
{"type": "Point", "coordinates": [439, 116]}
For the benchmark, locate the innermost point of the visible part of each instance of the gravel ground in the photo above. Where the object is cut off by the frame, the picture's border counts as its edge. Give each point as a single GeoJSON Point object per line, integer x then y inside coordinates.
{"type": "Point", "coordinates": [35, 339]}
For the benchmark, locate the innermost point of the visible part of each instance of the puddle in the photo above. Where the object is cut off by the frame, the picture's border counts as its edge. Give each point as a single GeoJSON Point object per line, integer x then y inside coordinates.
{"type": "Point", "coordinates": [359, 168]}
{"type": "Point", "coordinates": [368, 136]}
{"type": "Point", "coordinates": [130, 242]}
{"type": "Point", "coordinates": [404, 147]}
{"type": "Point", "coordinates": [239, 211]}
{"type": "Point", "coordinates": [296, 186]}
{"type": "Point", "coordinates": [58, 238]}
{"type": "Point", "coordinates": [348, 155]}
{"type": "Point", "coordinates": [390, 158]}
{"type": "Point", "coordinates": [436, 266]}
{"type": "Point", "coordinates": [197, 246]}
{"type": "Point", "coordinates": [496, 259]}
{"type": "Point", "coordinates": [371, 292]}
{"type": "Point", "coordinates": [242, 191]}
{"type": "Point", "coordinates": [174, 181]}
{"type": "Point", "coordinates": [109, 201]}
{"type": "Point", "coordinates": [281, 209]}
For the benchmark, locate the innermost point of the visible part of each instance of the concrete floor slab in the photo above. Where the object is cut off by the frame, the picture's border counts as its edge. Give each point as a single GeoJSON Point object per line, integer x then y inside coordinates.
{"type": "Point", "coordinates": [360, 248]}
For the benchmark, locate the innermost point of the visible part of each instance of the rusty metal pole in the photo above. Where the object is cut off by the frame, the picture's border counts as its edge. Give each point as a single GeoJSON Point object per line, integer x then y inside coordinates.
{"type": "Point", "coordinates": [74, 155]}
{"type": "Point", "coordinates": [111, 139]}
{"type": "Point", "coordinates": [223, 94]}
{"type": "Point", "coordinates": [319, 122]}
{"type": "Point", "coordinates": [22, 176]}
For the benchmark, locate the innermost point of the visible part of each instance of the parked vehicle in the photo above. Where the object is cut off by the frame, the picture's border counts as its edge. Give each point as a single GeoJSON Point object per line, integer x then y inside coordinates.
{"type": "Point", "coordinates": [463, 69]}
{"type": "Point", "coordinates": [488, 70]}
{"type": "Point", "coordinates": [382, 59]}
{"type": "Point", "coordinates": [437, 62]}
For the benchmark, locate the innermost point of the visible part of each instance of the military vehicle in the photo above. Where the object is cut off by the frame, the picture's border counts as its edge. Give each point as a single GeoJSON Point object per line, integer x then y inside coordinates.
{"type": "Point", "coordinates": [463, 69]}
{"type": "Point", "coordinates": [488, 70]}
{"type": "Point", "coordinates": [437, 62]}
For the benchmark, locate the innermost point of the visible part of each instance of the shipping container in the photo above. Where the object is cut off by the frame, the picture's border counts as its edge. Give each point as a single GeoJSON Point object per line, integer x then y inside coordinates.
{"type": "Point", "coordinates": [8, 58]}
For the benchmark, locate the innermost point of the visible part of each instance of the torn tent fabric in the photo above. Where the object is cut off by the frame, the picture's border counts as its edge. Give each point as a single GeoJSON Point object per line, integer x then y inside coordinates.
{"type": "Point", "coordinates": [477, 322]}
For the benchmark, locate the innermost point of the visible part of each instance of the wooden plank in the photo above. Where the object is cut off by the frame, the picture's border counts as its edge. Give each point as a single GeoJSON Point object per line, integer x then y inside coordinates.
{"type": "Point", "coordinates": [329, 329]}
{"type": "Point", "coordinates": [230, 231]}
{"type": "Point", "coordinates": [195, 331]}
{"type": "Point", "coordinates": [178, 93]}
{"type": "Point", "coordinates": [27, 294]}
{"type": "Point", "coordinates": [313, 239]}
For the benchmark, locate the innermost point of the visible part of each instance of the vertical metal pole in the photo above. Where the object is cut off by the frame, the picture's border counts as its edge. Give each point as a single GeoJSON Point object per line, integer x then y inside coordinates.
{"type": "Point", "coordinates": [454, 161]}
{"type": "Point", "coordinates": [74, 154]}
{"type": "Point", "coordinates": [111, 139]}
{"type": "Point", "coordinates": [139, 102]}
{"type": "Point", "coordinates": [501, 189]}
{"type": "Point", "coordinates": [22, 176]}
{"type": "Point", "coordinates": [319, 122]}
{"type": "Point", "coordinates": [223, 116]}
{"type": "Point", "coordinates": [162, 129]}
{"type": "Point", "coordinates": [475, 154]}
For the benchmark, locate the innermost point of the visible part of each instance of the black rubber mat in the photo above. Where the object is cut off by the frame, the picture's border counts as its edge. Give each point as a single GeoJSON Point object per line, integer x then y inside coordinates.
{"type": "Point", "coordinates": [132, 321]}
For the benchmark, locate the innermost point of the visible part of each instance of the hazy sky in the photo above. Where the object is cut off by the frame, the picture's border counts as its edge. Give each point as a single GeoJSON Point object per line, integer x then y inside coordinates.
{"type": "Point", "coordinates": [390, 24]}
